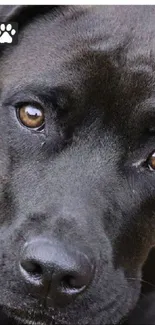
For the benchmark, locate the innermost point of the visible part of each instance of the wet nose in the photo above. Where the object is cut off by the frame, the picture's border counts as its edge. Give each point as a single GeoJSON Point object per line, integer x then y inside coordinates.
{"type": "Point", "coordinates": [59, 273]}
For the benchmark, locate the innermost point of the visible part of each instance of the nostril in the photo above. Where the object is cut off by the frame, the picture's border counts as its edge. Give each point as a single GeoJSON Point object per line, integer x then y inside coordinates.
{"type": "Point", "coordinates": [32, 268]}
{"type": "Point", "coordinates": [70, 281]}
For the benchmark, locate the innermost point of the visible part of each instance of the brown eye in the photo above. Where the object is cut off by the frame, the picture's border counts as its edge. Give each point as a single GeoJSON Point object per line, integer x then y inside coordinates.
{"type": "Point", "coordinates": [151, 161]}
{"type": "Point", "coordinates": [31, 116]}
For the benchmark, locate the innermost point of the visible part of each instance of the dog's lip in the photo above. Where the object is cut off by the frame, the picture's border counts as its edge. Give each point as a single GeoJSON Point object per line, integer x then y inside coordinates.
{"type": "Point", "coordinates": [25, 321]}
{"type": "Point", "coordinates": [25, 317]}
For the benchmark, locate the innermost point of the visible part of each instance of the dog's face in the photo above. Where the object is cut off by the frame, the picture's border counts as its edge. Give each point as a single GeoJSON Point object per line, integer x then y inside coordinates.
{"type": "Point", "coordinates": [77, 165]}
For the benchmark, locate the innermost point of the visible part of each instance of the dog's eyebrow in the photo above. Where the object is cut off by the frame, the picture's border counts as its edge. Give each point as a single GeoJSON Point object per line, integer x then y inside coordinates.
{"type": "Point", "coordinates": [143, 115]}
{"type": "Point", "coordinates": [35, 93]}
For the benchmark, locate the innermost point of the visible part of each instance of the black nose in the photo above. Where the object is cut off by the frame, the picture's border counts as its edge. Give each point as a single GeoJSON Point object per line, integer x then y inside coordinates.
{"type": "Point", "coordinates": [56, 272]}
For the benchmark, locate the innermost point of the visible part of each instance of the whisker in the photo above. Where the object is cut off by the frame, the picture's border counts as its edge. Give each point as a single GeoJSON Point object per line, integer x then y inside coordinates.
{"type": "Point", "coordinates": [143, 281]}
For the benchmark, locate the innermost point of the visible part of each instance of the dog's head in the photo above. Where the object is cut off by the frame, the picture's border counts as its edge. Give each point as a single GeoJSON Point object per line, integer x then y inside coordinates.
{"type": "Point", "coordinates": [77, 163]}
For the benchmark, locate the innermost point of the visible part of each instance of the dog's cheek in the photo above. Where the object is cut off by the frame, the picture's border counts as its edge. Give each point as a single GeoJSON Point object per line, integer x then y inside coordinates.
{"type": "Point", "coordinates": [4, 161]}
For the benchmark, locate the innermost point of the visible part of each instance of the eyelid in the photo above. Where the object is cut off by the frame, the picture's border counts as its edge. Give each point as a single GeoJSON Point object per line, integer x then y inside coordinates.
{"type": "Point", "coordinates": [18, 105]}
{"type": "Point", "coordinates": [19, 99]}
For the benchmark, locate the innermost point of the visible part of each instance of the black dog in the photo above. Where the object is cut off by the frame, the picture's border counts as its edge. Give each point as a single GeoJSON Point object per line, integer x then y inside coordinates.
{"type": "Point", "coordinates": [77, 162]}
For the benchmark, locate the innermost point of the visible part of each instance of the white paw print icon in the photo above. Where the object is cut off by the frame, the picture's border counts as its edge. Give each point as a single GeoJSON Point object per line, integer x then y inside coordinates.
{"type": "Point", "coordinates": [6, 33]}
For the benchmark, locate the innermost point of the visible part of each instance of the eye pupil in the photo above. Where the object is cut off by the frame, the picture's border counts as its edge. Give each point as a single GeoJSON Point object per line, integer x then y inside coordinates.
{"type": "Point", "coordinates": [31, 116]}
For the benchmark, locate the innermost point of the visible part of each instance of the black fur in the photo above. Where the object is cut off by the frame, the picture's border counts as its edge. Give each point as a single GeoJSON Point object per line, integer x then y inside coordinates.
{"type": "Point", "coordinates": [84, 181]}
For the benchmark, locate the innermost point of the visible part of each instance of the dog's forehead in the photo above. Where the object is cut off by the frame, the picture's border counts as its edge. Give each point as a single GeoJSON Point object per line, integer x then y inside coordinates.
{"type": "Point", "coordinates": [52, 40]}
{"type": "Point", "coordinates": [105, 47]}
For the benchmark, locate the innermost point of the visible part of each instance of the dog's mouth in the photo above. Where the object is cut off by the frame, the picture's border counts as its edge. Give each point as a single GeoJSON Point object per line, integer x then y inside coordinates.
{"type": "Point", "coordinates": [26, 321]}
{"type": "Point", "coordinates": [29, 317]}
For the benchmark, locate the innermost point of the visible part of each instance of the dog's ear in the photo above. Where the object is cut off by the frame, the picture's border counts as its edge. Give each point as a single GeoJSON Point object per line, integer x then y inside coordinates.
{"type": "Point", "coordinates": [23, 13]}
